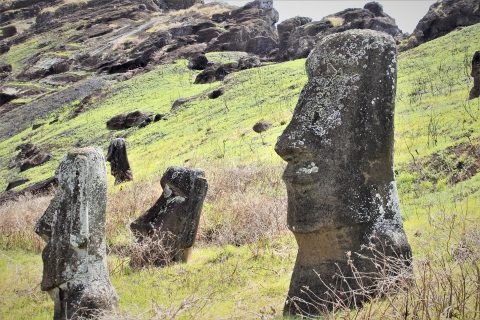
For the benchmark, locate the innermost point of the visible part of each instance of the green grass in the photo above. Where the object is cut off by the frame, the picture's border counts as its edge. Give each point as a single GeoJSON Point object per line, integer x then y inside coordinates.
{"type": "Point", "coordinates": [432, 115]}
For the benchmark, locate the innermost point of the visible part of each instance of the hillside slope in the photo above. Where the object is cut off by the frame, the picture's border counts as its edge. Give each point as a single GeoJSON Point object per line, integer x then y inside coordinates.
{"type": "Point", "coordinates": [437, 163]}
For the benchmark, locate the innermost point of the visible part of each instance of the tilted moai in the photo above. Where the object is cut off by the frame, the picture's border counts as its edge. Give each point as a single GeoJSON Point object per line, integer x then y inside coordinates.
{"type": "Point", "coordinates": [475, 92]}
{"type": "Point", "coordinates": [75, 270]}
{"type": "Point", "coordinates": [174, 218]}
{"type": "Point", "coordinates": [117, 156]}
{"type": "Point", "coordinates": [342, 195]}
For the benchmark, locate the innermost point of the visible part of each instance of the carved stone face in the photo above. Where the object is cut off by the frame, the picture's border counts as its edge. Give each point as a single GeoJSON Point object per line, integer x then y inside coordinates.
{"type": "Point", "coordinates": [74, 223]}
{"type": "Point", "coordinates": [339, 143]}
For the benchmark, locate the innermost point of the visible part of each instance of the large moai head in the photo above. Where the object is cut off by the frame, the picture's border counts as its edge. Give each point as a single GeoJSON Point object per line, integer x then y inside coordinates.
{"type": "Point", "coordinates": [176, 214]}
{"type": "Point", "coordinates": [75, 269]}
{"type": "Point", "coordinates": [339, 148]}
{"type": "Point", "coordinates": [117, 156]}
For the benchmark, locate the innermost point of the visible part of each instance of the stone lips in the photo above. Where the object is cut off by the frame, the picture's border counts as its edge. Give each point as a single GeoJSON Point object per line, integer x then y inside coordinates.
{"type": "Point", "coordinates": [339, 148]}
{"type": "Point", "coordinates": [75, 267]}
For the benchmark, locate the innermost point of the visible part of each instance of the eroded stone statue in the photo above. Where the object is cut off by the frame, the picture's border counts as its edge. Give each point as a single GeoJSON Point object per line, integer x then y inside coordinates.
{"type": "Point", "coordinates": [475, 92]}
{"type": "Point", "coordinates": [342, 195]}
{"type": "Point", "coordinates": [175, 216]}
{"type": "Point", "coordinates": [75, 270]}
{"type": "Point", "coordinates": [117, 156]}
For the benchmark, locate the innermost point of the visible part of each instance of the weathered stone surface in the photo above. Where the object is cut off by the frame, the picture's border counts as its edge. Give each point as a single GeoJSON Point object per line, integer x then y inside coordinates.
{"type": "Point", "coordinates": [7, 32]}
{"type": "Point", "coordinates": [4, 48]}
{"type": "Point", "coordinates": [215, 72]}
{"type": "Point", "coordinates": [128, 120]}
{"type": "Point", "coordinates": [341, 187]}
{"type": "Point", "coordinates": [475, 92]}
{"type": "Point", "coordinates": [117, 156]}
{"type": "Point", "coordinates": [75, 272]}
{"type": "Point", "coordinates": [443, 17]}
{"type": "Point", "coordinates": [175, 216]}
{"type": "Point", "coordinates": [299, 35]}
{"type": "Point", "coordinates": [45, 67]}
{"type": "Point", "coordinates": [250, 28]}
{"type": "Point", "coordinates": [262, 126]}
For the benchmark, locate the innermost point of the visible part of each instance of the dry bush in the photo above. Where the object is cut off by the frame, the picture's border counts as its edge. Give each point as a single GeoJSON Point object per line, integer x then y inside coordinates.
{"type": "Point", "coordinates": [127, 204]}
{"type": "Point", "coordinates": [17, 222]}
{"type": "Point", "coordinates": [445, 283]}
{"type": "Point", "coordinates": [243, 205]}
{"type": "Point", "coordinates": [156, 250]}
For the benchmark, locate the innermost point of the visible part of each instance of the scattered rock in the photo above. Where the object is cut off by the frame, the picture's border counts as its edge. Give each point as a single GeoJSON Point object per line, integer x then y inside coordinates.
{"type": "Point", "coordinates": [339, 177]}
{"type": "Point", "coordinates": [158, 117]}
{"type": "Point", "coordinates": [30, 156]}
{"type": "Point", "coordinates": [37, 125]}
{"type": "Point", "coordinates": [6, 97]}
{"type": "Point", "coordinates": [218, 72]}
{"type": "Point", "coordinates": [299, 35]}
{"type": "Point", "coordinates": [443, 17]}
{"type": "Point", "coordinates": [5, 67]}
{"type": "Point", "coordinates": [129, 120]}
{"type": "Point", "coordinates": [38, 189]}
{"type": "Point", "coordinates": [216, 93]}
{"type": "Point", "coordinates": [7, 32]}
{"type": "Point", "coordinates": [199, 62]}
{"type": "Point", "coordinates": [475, 92]}
{"type": "Point", "coordinates": [75, 272]}
{"type": "Point", "coordinates": [15, 183]}
{"type": "Point", "coordinates": [261, 126]}
{"type": "Point", "coordinates": [251, 28]}
{"type": "Point", "coordinates": [117, 156]}
{"type": "Point", "coordinates": [4, 48]}
{"type": "Point", "coordinates": [175, 216]}
{"type": "Point", "coordinates": [45, 67]}
{"type": "Point", "coordinates": [248, 62]}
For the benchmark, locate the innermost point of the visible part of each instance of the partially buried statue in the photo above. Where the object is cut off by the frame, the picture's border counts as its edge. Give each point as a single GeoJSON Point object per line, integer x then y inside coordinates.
{"type": "Point", "coordinates": [117, 156]}
{"type": "Point", "coordinates": [342, 196]}
{"type": "Point", "coordinates": [174, 218]}
{"type": "Point", "coordinates": [75, 270]}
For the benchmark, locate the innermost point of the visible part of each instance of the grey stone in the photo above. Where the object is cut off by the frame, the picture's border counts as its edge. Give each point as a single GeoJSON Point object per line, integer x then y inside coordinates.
{"type": "Point", "coordinates": [176, 215]}
{"type": "Point", "coordinates": [261, 126]}
{"type": "Point", "coordinates": [117, 156]}
{"type": "Point", "coordinates": [75, 272]}
{"type": "Point", "coordinates": [342, 194]}
{"type": "Point", "coordinates": [475, 92]}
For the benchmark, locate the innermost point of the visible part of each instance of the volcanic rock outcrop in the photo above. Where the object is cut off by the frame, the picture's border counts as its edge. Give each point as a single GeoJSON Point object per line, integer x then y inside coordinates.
{"type": "Point", "coordinates": [75, 272]}
{"type": "Point", "coordinates": [174, 218]}
{"type": "Point", "coordinates": [117, 156]}
{"type": "Point", "coordinates": [475, 92]}
{"type": "Point", "coordinates": [129, 120]}
{"type": "Point", "coordinates": [342, 195]}
{"type": "Point", "coordinates": [299, 35]}
{"type": "Point", "coordinates": [443, 17]}
{"type": "Point", "coordinates": [30, 156]}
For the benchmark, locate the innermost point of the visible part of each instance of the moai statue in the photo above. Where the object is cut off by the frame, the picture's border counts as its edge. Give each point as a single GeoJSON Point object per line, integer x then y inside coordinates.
{"type": "Point", "coordinates": [175, 216]}
{"type": "Point", "coordinates": [75, 270]}
{"type": "Point", "coordinates": [117, 156]}
{"type": "Point", "coordinates": [342, 195]}
{"type": "Point", "coordinates": [475, 92]}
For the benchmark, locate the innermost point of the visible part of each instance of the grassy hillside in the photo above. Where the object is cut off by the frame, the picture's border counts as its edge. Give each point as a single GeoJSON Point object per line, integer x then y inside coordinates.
{"type": "Point", "coordinates": [240, 270]}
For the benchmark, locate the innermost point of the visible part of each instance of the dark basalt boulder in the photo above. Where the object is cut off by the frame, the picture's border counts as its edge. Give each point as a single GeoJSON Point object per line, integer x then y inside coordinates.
{"type": "Point", "coordinates": [38, 189]}
{"type": "Point", "coordinates": [218, 72]}
{"type": "Point", "coordinates": [199, 62]}
{"type": "Point", "coordinates": [342, 194]}
{"type": "Point", "coordinates": [4, 48]}
{"type": "Point", "coordinates": [216, 93]}
{"type": "Point", "coordinates": [15, 183]}
{"type": "Point", "coordinates": [261, 126]}
{"type": "Point", "coordinates": [250, 28]}
{"type": "Point", "coordinates": [129, 120]}
{"type": "Point", "coordinates": [443, 17]}
{"type": "Point", "coordinates": [5, 67]}
{"type": "Point", "coordinates": [7, 32]}
{"type": "Point", "coordinates": [475, 92]}
{"type": "Point", "coordinates": [174, 218]}
{"type": "Point", "coordinates": [30, 156]}
{"type": "Point", "coordinates": [299, 35]}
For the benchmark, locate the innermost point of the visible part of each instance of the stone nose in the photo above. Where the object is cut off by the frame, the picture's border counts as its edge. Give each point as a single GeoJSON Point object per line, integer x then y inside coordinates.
{"type": "Point", "coordinates": [290, 148]}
